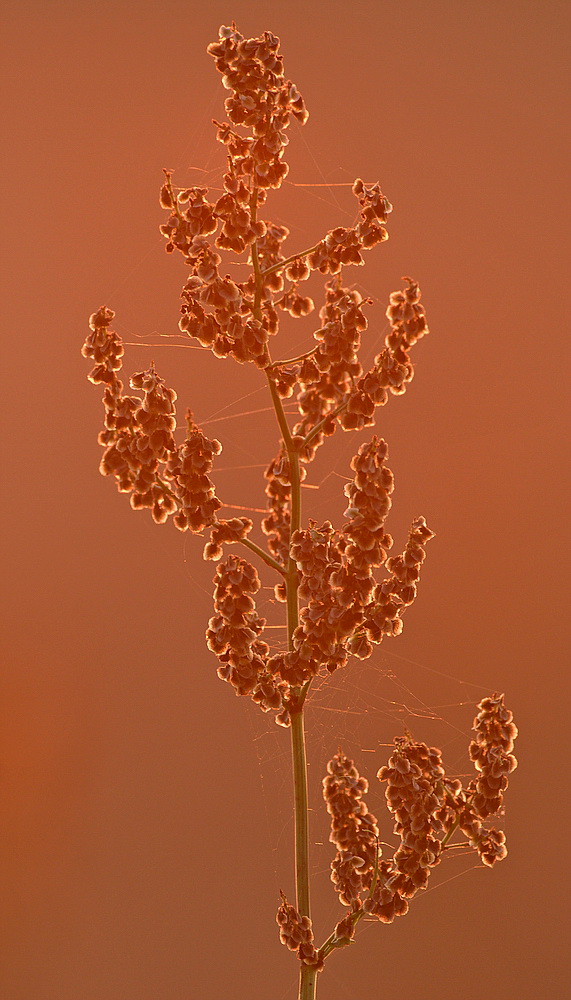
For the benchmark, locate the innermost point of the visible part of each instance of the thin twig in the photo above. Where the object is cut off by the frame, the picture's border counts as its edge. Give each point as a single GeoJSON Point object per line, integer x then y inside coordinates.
{"type": "Point", "coordinates": [289, 260]}
{"type": "Point", "coordinates": [264, 555]}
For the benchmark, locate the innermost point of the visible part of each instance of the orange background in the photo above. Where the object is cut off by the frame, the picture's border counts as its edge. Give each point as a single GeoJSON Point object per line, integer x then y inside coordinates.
{"type": "Point", "coordinates": [146, 826]}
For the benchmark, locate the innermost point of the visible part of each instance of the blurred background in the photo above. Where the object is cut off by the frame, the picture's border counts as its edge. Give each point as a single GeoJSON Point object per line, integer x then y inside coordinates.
{"type": "Point", "coordinates": [146, 811]}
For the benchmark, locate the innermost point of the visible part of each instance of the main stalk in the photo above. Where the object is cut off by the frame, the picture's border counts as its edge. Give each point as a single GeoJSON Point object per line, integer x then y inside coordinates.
{"type": "Point", "coordinates": [308, 975]}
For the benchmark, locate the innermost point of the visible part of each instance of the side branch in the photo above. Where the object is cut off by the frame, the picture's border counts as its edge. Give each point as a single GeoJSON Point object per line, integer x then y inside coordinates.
{"type": "Point", "coordinates": [280, 414]}
{"type": "Point", "coordinates": [273, 563]}
{"type": "Point", "coordinates": [300, 357]}
{"type": "Point", "coordinates": [289, 260]}
{"type": "Point", "coordinates": [328, 416]}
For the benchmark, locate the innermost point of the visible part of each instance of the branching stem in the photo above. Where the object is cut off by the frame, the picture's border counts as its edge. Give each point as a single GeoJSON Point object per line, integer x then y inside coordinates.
{"type": "Point", "coordinates": [333, 941]}
{"type": "Point", "coordinates": [273, 563]}
{"type": "Point", "coordinates": [308, 975]}
{"type": "Point", "coordinates": [328, 416]}
{"type": "Point", "coordinates": [456, 822]}
{"type": "Point", "coordinates": [289, 260]}
{"type": "Point", "coordinates": [300, 357]}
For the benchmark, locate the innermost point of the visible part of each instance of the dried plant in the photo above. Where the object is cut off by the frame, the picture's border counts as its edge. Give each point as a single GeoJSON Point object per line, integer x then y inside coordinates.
{"type": "Point", "coordinates": [347, 608]}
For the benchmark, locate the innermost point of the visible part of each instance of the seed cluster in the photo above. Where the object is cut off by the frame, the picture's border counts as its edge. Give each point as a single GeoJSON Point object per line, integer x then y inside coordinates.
{"type": "Point", "coordinates": [233, 635]}
{"type": "Point", "coordinates": [349, 606]}
{"type": "Point", "coordinates": [188, 469]}
{"type": "Point", "coordinates": [276, 524]}
{"type": "Point", "coordinates": [138, 435]}
{"type": "Point", "coordinates": [140, 449]}
{"type": "Point", "coordinates": [234, 318]}
{"type": "Point", "coordinates": [347, 610]}
{"type": "Point", "coordinates": [297, 934]}
{"type": "Point", "coordinates": [491, 752]}
{"type": "Point", "coordinates": [413, 775]}
{"type": "Point", "coordinates": [261, 99]}
{"type": "Point", "coordinates": [392, 368]}
{"type": "Point", "coordinates": [326, 379]}
{"type": "Point", "coordinates": [226, 533]}
{"type": "Point", "coordinates": [233, 631]}
{"type": "Point", "coordinates": [428, 807]}
{"type": "Point", "coordinates": [354, 829]}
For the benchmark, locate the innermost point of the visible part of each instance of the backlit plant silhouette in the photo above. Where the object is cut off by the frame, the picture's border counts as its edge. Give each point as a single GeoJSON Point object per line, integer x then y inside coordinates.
{"type": "Point", "coordinates": [352, 593]}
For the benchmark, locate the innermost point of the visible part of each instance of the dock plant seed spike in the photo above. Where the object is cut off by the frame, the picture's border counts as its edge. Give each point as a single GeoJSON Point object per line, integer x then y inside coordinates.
{"type": "Point", "coordinates": [342, 590]}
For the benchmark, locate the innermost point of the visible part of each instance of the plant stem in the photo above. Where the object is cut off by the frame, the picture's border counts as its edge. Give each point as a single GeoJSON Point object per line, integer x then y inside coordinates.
{"type": "Point", "coordinates": [289, 260]}
{"type": "Point", "coordinates": [301, 813]}
{"type": "Point", "coordinates": [273, 563]}
{"type": "Point", "coordinates": [280, 414]}
{"type": "Point", "coordinates": [451, 831]}
{"type": "Point", "coordinates": [308, 975]}
{"type": "Point", "coordinates": [328, 416]}
{"type": "Point", "coordinates": [456, 822]}
{"type": "Point", "coordinates": [332, 941]}
{"type": "Point", "coordinates": [300, 357]}
{"type": "Point", "coordinates": [307, 983]}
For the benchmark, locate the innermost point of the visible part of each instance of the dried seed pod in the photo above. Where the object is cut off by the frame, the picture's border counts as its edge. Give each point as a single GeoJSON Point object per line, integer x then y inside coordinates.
{"type": "Point", "coordinates": [354, 829]}
{"type": "Point", "coordinates": [297, 934]}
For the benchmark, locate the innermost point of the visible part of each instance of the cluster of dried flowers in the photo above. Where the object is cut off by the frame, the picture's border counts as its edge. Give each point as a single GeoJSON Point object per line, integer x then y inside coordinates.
{"type": "Point", "coordinates": [348, 607]}
{"type": "Point", "coordinates": [428, 807]}
{"type": "Point", "coordinates": [296, 933]}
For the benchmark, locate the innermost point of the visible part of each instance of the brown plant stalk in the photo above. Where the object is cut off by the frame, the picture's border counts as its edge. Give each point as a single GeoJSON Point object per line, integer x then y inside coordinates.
{"type": "Point", "coordinates": [344, 592]}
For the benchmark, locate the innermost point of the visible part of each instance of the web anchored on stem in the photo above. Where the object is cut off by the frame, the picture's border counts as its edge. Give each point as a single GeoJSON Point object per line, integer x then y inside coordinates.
{"type": "Point", "coordinates": [346, 608]}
